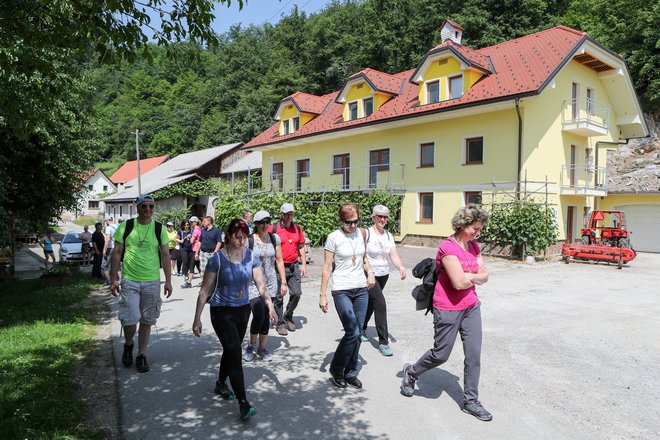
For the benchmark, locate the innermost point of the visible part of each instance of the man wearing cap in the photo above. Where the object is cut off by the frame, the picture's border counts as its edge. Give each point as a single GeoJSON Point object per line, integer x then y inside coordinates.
{"type": "Point", "coordinates": [144, 252]}
{"type": "Point", "coordinates": [210, 243]}
{"type": "Point", "coordinates": [293, 245]}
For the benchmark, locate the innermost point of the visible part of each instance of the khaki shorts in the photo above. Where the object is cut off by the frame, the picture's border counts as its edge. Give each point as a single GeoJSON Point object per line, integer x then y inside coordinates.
{"type": "Point", "coordinates": [139, 302]}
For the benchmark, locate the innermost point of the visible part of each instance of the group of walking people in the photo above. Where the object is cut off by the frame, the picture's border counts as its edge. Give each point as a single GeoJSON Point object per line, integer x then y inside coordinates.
{"type": "Point", "coordinates": [251, 272]}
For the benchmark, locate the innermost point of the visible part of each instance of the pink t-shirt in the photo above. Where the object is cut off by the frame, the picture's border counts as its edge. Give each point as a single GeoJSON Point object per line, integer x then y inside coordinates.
{"type": "Point", "coordinates": [197, 233]}
{"type": "Point", "coordinates": [445, 297]}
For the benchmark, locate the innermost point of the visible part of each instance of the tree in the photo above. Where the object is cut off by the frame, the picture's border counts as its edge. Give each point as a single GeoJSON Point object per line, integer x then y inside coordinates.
{"type": "Point", "coordinates": [45, 125]}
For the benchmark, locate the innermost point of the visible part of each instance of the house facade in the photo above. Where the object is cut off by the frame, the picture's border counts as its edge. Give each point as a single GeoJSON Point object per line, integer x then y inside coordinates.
{"type": "Point", "coordinates": [535, 115]}
{"type": "Point", "coordinates": [95, 185]}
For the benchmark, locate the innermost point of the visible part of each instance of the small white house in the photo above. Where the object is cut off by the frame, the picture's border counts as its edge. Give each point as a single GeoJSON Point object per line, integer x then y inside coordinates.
{"type": "Point", "coordinates": [97, 184]}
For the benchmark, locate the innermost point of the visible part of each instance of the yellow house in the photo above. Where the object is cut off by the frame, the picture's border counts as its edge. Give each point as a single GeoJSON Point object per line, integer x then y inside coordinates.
{"type": "Point", "coordinates": [535, 114]}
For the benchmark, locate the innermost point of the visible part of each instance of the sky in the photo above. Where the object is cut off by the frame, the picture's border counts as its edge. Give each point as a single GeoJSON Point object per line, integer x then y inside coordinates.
{"type": "Point", "coordinates": [260, 11]}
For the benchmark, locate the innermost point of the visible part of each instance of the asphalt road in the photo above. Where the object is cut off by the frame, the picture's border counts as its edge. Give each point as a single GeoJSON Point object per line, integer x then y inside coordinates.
{"type": "Point", "coordinates": [570, 352]}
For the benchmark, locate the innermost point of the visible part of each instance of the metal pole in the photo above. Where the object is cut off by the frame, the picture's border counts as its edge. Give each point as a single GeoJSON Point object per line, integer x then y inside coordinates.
{"type": "Point", "coordinates": [137, 152]}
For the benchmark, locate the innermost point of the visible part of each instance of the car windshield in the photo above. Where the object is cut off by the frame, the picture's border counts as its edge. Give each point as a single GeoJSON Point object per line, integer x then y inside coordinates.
{"type": "Point", "coordinates": [71, 238]}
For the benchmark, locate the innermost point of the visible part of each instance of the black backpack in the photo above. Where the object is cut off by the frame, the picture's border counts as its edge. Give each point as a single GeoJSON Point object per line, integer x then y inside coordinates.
{"type": "Point", "coordinates": [272, 240]}
{"type": "Point", "coordinates": [130, 224]}
{"type": "Point", "coordinates": [423, 293]}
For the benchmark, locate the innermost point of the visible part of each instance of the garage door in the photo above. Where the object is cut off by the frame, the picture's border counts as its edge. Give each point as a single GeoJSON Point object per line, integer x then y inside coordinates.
{"type": "Point", "coordinates": [644, 223]}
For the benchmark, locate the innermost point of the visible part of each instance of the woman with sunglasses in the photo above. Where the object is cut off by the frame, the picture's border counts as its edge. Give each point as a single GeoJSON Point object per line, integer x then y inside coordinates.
{"type": "Point", "coordinates": [267, 246]}
{"type": "Point", "coordinates": [226, 279]}
{"type": "Point", "coordinates": [380, 246]}
{"type": "Point", "coordinates": [351, 276]}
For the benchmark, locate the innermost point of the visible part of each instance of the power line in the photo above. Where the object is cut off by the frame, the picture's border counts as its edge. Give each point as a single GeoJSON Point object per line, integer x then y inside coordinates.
{"type": "Point", "coordinates": [281, 9]}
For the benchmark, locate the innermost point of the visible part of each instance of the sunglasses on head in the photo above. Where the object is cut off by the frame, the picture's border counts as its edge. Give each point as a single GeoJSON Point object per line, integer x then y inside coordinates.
{"type": "Point", "coordinates": [351, 222]}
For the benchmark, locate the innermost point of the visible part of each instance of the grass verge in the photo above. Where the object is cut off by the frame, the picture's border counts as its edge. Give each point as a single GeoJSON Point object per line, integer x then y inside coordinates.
{"type": "Point", "coordinates": [42, 333]}
{"type": "Point", "coordinates": [88, 220]}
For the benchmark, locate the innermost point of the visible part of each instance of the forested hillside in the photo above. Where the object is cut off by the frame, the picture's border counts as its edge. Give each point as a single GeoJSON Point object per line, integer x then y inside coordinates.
{"type": "Point", "coordinates": [230, 93]}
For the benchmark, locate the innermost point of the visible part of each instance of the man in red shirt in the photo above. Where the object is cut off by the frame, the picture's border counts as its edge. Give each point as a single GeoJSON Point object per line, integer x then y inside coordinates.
{"type": "Point", "coordinates": [293, 245]}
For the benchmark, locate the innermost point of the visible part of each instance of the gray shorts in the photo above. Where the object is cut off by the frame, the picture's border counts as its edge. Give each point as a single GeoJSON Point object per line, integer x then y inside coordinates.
{"type": "Point", "coordinates": [139, 301]}
{"type": "Point", "coordinates": [204, 258]}
{"type": "Point", "coordinates": [107, 259]}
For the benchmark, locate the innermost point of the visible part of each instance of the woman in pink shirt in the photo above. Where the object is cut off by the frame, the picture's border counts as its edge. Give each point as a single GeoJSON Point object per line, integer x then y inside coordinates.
{"type": "Point", "coordinates": [456, 308]}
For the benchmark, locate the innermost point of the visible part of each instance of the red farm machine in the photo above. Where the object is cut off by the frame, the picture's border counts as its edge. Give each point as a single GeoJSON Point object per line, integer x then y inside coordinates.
{"type": "Point", "coordinates": [605, 238]}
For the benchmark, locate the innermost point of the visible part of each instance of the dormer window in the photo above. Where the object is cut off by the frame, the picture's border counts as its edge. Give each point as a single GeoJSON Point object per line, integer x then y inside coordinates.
{"type": "Point", "coordinates": [368, 104]}
{"type": "Point", "coordinates": [352, 111]}
{"type": "Point", "coordinates": [285, 127]}
{"type": "Point", "coordinates": [296, 123]}
{"type": "Point", "coordinates": [455, 86]}
{"type": "Point", "coordinates": [432, 92]}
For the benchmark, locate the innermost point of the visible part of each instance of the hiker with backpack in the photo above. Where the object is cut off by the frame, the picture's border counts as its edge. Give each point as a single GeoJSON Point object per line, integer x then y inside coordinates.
{"type": "Point", "coordinates": [267, 246]}
{"type": "Point", "coordinates": [143, 246]}
{"type": "Point", "coordinates": [456, 308]}
{"type": "Point", "coordinates": [345, 262]}
{"type": "Point", "coordinates": [293, 247]}
{"type": "Point", "coordinates": [380, 246]}
{"type": "Point", "coordinates": [226, 281]}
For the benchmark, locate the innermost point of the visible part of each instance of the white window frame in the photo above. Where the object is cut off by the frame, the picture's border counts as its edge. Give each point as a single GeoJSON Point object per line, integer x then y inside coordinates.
{"type": "Point", "coordinates": [364, 106]}
{"type": "Point", "coordinates": [427, 99]}
{"type": "Point", "coordinates": [449, 78]}
{"type": "Point", "coordinates": [285, 127]}
{"type": "Point", "coordinates": [348, 110]}
{"type": "Point", "coordinates": [309, 172]}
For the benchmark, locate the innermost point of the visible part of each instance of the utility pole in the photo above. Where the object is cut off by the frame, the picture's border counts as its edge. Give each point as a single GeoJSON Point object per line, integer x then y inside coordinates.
{"type": "Point", "coordinates": [137, 152]}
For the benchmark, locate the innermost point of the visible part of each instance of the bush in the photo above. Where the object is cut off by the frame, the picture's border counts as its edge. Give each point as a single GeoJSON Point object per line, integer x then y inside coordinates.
{"type": "Point", "coordinates": [527, 227]}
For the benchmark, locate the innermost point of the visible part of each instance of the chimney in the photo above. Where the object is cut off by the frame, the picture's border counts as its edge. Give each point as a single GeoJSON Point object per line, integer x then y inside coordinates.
{"type": "Point", "coordinates": [451, 31]}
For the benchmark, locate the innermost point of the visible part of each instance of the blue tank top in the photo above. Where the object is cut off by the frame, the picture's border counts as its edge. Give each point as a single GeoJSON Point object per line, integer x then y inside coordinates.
{"type": "Point", "coordinates": [232, 284]}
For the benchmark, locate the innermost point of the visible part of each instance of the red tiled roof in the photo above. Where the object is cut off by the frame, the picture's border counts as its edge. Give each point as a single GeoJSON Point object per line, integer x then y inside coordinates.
{"type": "Point", "coordinates": [453, 23]}
{"type": "Point", "coordinates": [307, 103]}
{"type": "Point", "coordinates": [381, 81]}
{"type": "Point", "coordinates": [520, 67]}
{"type": "Point", "coordinates": [128, 171]}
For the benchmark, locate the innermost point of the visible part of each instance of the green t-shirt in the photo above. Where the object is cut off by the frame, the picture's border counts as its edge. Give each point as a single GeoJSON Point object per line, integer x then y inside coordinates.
{"type": "Point", "coordinates": [170, 237]}
{"type": "Point", "coordinates": [141, 261]}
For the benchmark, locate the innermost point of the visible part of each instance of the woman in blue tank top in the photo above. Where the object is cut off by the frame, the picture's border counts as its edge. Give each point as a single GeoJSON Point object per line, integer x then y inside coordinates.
{"type": "Point", "coordinates": [226, 281]}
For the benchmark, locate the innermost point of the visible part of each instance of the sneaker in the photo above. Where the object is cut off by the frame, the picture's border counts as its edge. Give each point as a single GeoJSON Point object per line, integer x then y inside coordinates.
{"type": "Point", "coordinates": [127, 356]}
{"type": "Point", "coordinates": [290, 325]}
{"type": "Point", "coordinates": [385, 349]}
{"type": "Point", "coordinates": [264, 354]}
{"type": "Point", "coordinates": [247, 410]}
{"type": "Point", "coordinates": [281, 330]}
{"type": "Point", "coordinates": [475, 409]}
{"type": "Point", "coordinates": [223, 390]}
{"type": "Point", "coordinates": [173, 273]}
{"type": "Point", "coordinates": [337, 380]}
{"type": "Point", "coordinates": [249, 353]}
{"type": "Point", "coordinates": [141, 363]}
{"type": "Point", "coordinates": [408, 382]}
{"type": "Point", "coordinates": [187, 285]}
{"type": "Point", "coordinates": [354, 382]}
{"type": "Point", "coordinates": [363, 337]}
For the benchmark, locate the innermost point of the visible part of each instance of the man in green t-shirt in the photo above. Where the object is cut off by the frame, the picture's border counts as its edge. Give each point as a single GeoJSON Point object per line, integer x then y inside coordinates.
{"type": "Point", "coordinates": [139, 296]}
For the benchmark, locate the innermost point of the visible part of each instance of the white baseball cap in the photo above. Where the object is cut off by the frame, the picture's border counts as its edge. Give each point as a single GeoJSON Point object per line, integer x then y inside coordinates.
{"type": "Point", "coordinates": [286, 208]}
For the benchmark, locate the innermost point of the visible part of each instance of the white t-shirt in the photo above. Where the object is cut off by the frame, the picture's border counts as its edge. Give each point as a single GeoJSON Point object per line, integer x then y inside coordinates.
{"type": "Point", "coordinates": [378, 250]}
{"type": "Point", "coordinates": [111, 229]}
{"type": "Point", "coordinates": [349, 271]}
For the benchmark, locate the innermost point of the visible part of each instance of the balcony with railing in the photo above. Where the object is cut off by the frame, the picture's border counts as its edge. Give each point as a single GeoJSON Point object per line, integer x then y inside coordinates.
{"type": "Point", "coordinates": [585, 117]}
{"type": "Point", "coordinates": [581, 180]}
{"type": "Point", "coordinates": [388, 177]}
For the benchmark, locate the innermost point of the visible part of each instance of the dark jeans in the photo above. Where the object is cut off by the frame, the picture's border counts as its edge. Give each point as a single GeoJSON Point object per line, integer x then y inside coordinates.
{"type": "Point", "coordinates": [292, 274]}
{"type": "Point", "coordinates": [377, 304]}
{"type": "Point", "coordinates": [447, 324]}
{"type": "Point", "coordinates": [96, 266]}
{"type": "Point", "coordinates": [230, 324]}
{"type": "Point", "coordinates": [351, 307]}
{"type": "Point", "coordinates": [188, 258]}
{"type": "Point", "coordinates": [260, 319]}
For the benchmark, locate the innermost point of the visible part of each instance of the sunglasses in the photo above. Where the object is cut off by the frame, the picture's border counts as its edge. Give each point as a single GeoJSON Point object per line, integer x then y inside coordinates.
{"type": "Point", "coordinates": [263, 222]}
{"type": "Point", "coordinates": [144, 205]}
{"type": "Point", "coordinates": [382, 217]}
{"type": "Point", "coordinates": [351, 222]}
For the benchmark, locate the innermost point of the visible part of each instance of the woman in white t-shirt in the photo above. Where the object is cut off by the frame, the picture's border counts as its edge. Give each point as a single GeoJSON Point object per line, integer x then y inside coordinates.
{"type": "Point", "coordinates": [345, 249]}
{"type": "Point", "coordinates": [380, 246]}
